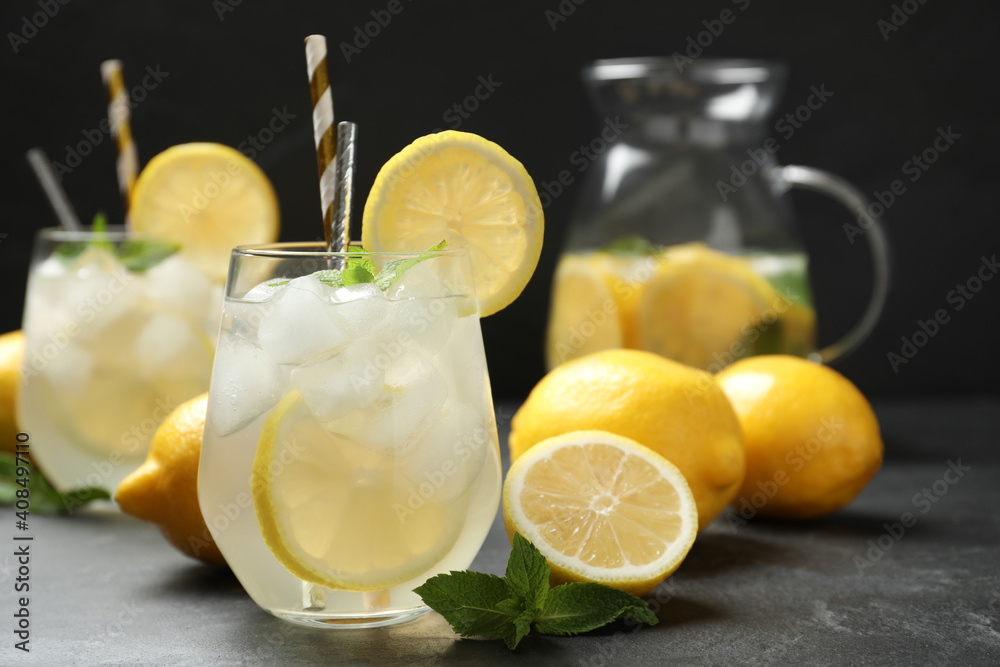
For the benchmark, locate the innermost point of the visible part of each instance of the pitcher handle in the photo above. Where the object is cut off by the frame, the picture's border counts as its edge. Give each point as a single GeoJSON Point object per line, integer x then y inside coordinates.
{"type": "Point", "coordinates": [825, 183]}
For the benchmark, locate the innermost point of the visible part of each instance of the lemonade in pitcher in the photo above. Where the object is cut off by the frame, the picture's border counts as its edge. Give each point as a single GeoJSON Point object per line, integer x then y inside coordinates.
{"type": "Point", "coordinates": [686, 302]}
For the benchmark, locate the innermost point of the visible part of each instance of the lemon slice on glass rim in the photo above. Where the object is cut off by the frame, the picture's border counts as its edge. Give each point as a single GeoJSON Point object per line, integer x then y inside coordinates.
{"type": "Point", "coordinates": [470, 192]}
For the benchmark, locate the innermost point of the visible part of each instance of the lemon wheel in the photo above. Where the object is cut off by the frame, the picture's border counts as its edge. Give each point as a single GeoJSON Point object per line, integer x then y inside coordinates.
{"type": "Point", "coordinates": [208, 198]}
{"type": "Point", "coordinates": [334, 513]}
{"type": "Point", "coordinates": [470, 192]}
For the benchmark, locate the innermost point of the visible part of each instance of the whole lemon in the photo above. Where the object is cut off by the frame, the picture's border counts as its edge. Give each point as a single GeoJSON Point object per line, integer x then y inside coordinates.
{"type": "Point", "coordinates": [677, 411]}
{"type": "Point", "coordinates": [11, 354]}
{"type": "Point", "coordinates": [812, 439]}
{"type": "Point", "coordinates": [164, 490]}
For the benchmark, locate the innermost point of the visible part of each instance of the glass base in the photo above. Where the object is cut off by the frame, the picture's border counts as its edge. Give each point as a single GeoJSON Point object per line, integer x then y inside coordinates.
{"type": "Point", "coordinates": [373, 619]}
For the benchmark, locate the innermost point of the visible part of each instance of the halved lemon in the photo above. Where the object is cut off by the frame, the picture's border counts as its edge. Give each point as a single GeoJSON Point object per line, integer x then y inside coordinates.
{"type": "Point", "coordinates": [207, 197]}
{"type": "Point", "coordinates": [470, 192]}
{"type": "Point", "coordinates": [601, 508]}
{"type": "Point", "coordinates": [584, 317]}
{"type": "Point", "coordinates": [338, 514]}
{"type": "Point", "coordinates": [700, 304]}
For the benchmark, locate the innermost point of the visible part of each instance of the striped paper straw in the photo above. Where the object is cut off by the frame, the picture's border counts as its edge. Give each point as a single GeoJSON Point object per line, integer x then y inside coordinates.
{"type": "Point", "coordinates": [324, 134]}
{"type": "Point", "coordinates": [121, 131]}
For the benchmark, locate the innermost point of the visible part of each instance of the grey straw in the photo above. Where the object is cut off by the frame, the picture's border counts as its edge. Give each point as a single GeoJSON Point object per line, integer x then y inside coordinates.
{"type": "Point", "coordinates": [340, 234]}
{"type": "Point", "coordinates": [60, 203]}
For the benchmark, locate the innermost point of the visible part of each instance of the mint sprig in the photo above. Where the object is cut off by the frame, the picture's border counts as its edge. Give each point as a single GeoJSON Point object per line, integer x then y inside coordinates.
{"type": "Point", "coordinates": [361, 269]}
{"type": "Point", "coordinates": [42, 498]}
{"type": "Point", "coordinates": [142, 255]}
{"type": "Point", "coordinates": [485, 605]}
{"type": "Point", "coordinates": [391, 272]}
{"type": "Point", "coordinates": [137, 256]}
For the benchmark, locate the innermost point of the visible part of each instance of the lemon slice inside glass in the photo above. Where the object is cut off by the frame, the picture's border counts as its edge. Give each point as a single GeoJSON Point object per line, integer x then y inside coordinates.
{"type": "Point", "coordinates": [208, 198]}
{"type": "Point", "coordinates": [602, 508]}
{"type": "Point", "coordinates": [584, 317]}
{"type": "Point", "coordinates": [470, 192]}
{"type": "Point", "coordinates": [336, 513]}
{"type": "Point", "coordinates": [699, 305]}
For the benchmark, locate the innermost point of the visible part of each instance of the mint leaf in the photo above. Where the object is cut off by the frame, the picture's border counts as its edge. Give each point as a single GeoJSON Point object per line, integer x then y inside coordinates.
{"type": "Point", "coordinates": [472, 602]}
{"type": "Point", "coordinates": [70, 251]}
{"type": "Point", "coordinates": [574, 608]}
{"type": "Point", "coordinates": [43, 499]}
{"type": "Point", "coordinates": [359, 269]}
{"type": "Point", "coordinates": [522, 626]}
{"type": "Point", "coordinates": [391, 272]}
{"type": "Point", "coordinates": [527, 575]}
{"type": "Point", "coordinates": [142, 255]}
{"type": "Point", "coordinates": [631, 245]}
{"type": "Point", "coordinates": [99, 227]}
{"type": "Point", "coordinates": [137, 256]}
{"type": "Point", "coordinates": [506, 608]}
{"type": "Point", "coordinates": [329, 277]}
{"type": "Point", "coordinates": [357, 273]}
{"type": "Point", "coordinates": [362, 262]}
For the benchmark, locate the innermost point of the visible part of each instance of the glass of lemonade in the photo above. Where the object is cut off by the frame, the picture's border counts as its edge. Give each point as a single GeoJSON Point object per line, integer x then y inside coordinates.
{"type": "Point", "coordinates": [350, 447]}
{"type": "Point", "coordinates": [119, 330]}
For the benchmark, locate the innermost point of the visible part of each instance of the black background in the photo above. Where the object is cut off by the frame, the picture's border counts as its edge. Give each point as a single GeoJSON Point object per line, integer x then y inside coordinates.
{"type": "Point", "coordinates": [229, 65]}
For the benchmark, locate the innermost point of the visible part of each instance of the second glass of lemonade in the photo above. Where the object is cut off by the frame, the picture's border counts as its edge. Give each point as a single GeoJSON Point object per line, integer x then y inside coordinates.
{"type": "Point", "coordinates": [119, 330]}
{"type": "Point", "coordinates": [350, 448]}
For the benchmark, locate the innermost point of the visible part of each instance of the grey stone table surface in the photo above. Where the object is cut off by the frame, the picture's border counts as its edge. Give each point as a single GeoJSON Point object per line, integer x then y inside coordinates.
{"type": "Point", "coordinates": [858, 587]}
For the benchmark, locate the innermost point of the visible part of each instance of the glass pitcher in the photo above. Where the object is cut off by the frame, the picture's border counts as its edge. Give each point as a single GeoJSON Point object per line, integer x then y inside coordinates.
{"type": "Point", "coordinates": [682, 242]}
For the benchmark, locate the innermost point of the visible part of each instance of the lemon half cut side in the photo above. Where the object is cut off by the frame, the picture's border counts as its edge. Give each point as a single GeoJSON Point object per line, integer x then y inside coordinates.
{"type": "Point", "coordinates": [602, 508]}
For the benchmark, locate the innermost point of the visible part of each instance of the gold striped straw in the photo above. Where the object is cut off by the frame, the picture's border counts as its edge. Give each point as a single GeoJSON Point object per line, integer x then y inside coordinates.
{"type": "Point", "coordinates": [324, 134]}
{"type": "Point", "coordinates": [121, 131]}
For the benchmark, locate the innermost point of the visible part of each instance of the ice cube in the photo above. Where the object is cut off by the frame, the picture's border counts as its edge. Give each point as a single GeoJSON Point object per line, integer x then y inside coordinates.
{"type": "Point", "coordinates": [212, 316]}
{"type": "Point", "coordinates": [95, 260]}
{"type": "Point", "coordinates": [413, 395]}
{"type": "Point", "coordinates": [427, 322]}
{"type": "Point", "coordinates": [245, 384]}
{"type": "Point", "coordinates": [51, 267]}
{"type": "Point", "coordinates": [266, 289]}
{"type": "Point", "coordinates": [175, 282]}
{"type": "Point", "coordinates": [300, 328]}
{"type": "Point", "coordinates": [419, 281]}
{"type": "Point", "coordinates": [451, 453]}
{"type": "Point", "coordinates": [360, 309]}
{"type": "Point", "coordinates": [348, 381]}
{"type": "Point", "coordinates": [100, 292]}
{"type": "Point", "coordinates": [164, 340]}
{"type": "Point", "coordinates": [462, 359]}
{"type": "Point", "coordinates": [243, 318]}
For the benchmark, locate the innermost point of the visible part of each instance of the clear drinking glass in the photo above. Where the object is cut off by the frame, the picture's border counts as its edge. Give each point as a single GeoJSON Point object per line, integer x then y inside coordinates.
{"type": "Point", "coordinates": [350, 448]}
{"type": "Point", "coordinates": [118, 332]}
